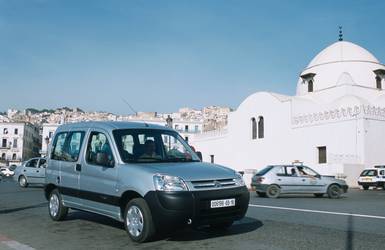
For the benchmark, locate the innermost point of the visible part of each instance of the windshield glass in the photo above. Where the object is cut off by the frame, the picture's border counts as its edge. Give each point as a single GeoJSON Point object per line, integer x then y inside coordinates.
{"type": "Point", "coordinates": [264, 170]}
{"type": "Point", "coordinates": [370, 172]}
{"type": "Point", "coordinates": [152, 145]}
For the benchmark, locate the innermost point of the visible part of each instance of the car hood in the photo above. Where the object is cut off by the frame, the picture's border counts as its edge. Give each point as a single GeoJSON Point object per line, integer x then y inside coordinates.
{"type": "Point", "coordinates": [189, 171]}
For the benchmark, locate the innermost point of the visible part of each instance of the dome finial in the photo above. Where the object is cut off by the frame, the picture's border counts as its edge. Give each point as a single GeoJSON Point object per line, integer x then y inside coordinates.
{"type": "Point", "coordinates": [340, 34]}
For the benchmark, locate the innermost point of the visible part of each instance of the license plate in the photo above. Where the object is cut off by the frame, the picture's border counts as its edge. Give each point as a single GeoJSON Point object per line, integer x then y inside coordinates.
{"type": "Point", "coordinates": [367, 179]}
{"type": "Point", "coordinates": [222, 203]}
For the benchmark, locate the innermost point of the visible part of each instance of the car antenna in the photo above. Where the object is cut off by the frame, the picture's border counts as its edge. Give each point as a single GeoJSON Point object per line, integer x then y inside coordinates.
{"type": "Point", "coordinates": [133, 110]}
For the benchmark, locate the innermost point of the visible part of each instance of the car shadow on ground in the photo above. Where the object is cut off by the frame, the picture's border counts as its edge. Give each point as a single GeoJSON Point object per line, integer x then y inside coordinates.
{"type": "Point", "coordinates": [305, 196]}
{"type": "Point", "coordinates": [245, 225]}
{"type": "Point", "coordinates": [17, 209]}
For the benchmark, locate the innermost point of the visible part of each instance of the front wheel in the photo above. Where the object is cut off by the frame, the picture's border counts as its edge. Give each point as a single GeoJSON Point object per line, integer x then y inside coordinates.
{"type": "Point", "coordinates": [23, 182]}
{"type": "Point", "coordinates": [138, 220]}
{"type": "Point", "coordinates": [273, 191]}
{"type": "Point", "coordinates": [56, 209]}
{"type": "Point", "coordinates": [334, 191]}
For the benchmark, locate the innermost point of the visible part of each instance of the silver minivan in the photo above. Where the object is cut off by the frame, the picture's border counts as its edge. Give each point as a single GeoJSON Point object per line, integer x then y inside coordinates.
{"type": "Point", "coordinates": [272, 181]}
{"type": "Point", "coordinates": [144, 175]}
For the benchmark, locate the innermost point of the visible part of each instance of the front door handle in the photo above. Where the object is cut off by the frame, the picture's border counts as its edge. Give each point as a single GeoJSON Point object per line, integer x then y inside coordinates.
{"type": "Point", "coordinates": [279, 179]}
{"type": "Point", "coordinates": [303, 179]}
{"type": "Point", "coordinates": [78, 167]}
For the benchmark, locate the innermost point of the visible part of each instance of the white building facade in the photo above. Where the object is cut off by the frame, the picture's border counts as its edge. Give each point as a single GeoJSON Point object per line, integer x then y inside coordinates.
{"type": "Point", "coordinates": [18, 142]}
{"type": "Point", "coordinates": [335, 123]}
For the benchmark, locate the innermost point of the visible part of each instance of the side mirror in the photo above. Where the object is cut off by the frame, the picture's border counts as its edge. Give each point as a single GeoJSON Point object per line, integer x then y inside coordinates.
{"type": "Point", "coordinates": [102, 159]}
{"type": "Point", "coordinates": [199, 154]}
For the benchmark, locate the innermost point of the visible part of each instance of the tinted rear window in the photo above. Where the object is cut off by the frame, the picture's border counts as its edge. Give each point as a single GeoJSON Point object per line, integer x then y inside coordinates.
{"type": "Point", "coordinates": [264, 170]}
{"type": "Point", "coordinates": [369, 172]}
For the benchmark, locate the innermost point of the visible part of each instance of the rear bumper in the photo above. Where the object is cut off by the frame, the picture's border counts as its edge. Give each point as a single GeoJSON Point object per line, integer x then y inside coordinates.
{"type": "Point", "coordinates": [371, 184]}
{"type": "Point", "coordinates": [259, 187]}
{"type": "Point", "coordinates": [175, 209]}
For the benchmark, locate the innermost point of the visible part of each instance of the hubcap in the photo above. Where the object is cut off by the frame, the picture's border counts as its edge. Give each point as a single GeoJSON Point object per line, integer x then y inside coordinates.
{"type": "Point", "coordinates": [273, 191]}
{"type": "Point", "coordinates": [134, 221]}
{"type": "Point", "coordinates": [335, 191]}
{"type": "Point", "coordinates": [54, 205]}
{"type": "Point", "coordinates": [22, 181]}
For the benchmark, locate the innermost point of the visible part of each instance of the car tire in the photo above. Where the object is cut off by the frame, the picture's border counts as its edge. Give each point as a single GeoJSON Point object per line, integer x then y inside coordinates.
{"type": "Point", "coordinates": [56, 209]}
{"type": "Point", "coordinates": [221, 225]}
{"type": "Point", "coordinates": [23, 181]}
{"type": "Point", "coordinates": [138, 220]}
{"type": "Point", "coordinates": [273, 191]}
{"type": "Point", "coordinates": [319, 195]}
{"type": "Point", "coordinates": [365, 187]}
{"type": "Point", "coordinates": [334, 191]}
{"type": "Point", "coordinates": [261, 194]}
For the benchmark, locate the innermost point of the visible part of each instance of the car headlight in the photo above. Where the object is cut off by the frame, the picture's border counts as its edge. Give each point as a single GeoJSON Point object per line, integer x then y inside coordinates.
{"type": "Point", "coordinates": [239, 180]}
{"type": "Point", "coordinates": [169, 183]}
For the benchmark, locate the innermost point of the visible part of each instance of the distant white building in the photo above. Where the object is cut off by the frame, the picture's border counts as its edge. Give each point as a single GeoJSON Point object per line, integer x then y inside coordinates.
{"type": "Point", "coordinates": [335, 123]}
{"type": "Point", "coordinates": [48, 130]}
{"type": "Point", "coordinates": [18, 142]}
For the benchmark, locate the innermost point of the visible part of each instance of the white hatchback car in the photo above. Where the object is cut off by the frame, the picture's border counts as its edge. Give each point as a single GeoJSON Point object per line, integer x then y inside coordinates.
{"type": "Point", "coordinates": [372, 177]}
{"type": "Point", "coordinates": [31, 172]}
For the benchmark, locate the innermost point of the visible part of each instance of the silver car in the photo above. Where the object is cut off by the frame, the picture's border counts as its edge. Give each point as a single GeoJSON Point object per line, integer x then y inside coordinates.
{"type": "Point", "coordinates": [31, 172]}
{"type": "Point", "coordinates": [143, 175]}
{"type": "Point", "coordinates": [272, 181]}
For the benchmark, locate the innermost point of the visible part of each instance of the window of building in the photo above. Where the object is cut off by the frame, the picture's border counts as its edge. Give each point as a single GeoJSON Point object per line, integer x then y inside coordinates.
{"type": "Point", "coordinates": [261, 127]}
{"type": "Point", "coordinates": [3, 156]}
{"type": "Point", "coordinates": [4, 143]}
{"type": "Point", "coordinates": [378, 82]}
{"type": "Point", "coordinates": [15, 143]}
{"type": "Point", "coordinates": [50, 134]}
{"type": "Point", "coordinates": [253, 128]}
{"type": "Point", "coordinates": [196, 128]}
{"type": "Point", "coordinates": [186, 128]}
{"type": "Point", "coordinates": [14, 157]}
{"type": "Point", "coordinates": [322, 154]}
{"type": "Point", "coordinates": [186, 139]}
{"type": "Point", "coordinates": [16, 131]}
{"type": "Point", "coordinates": [176, 126]}
{"type": "Point", "coordinates": [310, 86]}
{"type": "Point", "coordinates": [5, 131]}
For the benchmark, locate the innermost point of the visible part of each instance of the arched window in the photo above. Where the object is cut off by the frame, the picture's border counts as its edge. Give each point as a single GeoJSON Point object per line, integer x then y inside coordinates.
{"type": "Point", "coordinates": [3, 156]}
{"type": "Point", "coordinates": [310, 86]}
{"type": "Point", "coordinates": [261, 127]}
{"type": "Point", "coordinates": [253, 128]}
{"type": "Point", "coordinates": [14, 157]}
{"type": "Point", "coordinates": [378, 82]}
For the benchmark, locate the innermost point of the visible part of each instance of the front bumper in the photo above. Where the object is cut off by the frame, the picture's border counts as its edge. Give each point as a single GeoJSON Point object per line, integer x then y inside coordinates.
{"type": "Point", "coordinates": [345, 188]}
{"type": "Point", "coordinates": [175, 209]}
{"type": "Point", "coordinates": [372, 184]}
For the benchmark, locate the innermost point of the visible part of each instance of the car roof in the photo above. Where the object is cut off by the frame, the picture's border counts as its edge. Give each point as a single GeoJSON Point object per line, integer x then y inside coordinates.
{"type": "Point", "coordinates": [111, 125]}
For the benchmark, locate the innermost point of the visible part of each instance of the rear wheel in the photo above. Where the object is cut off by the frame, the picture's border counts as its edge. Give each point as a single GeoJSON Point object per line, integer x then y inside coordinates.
{"type": "Point", "coordinates": [56, 209]}
{"type": "Point", "coordinates": [334, 191]}
{"type": "Point", "coordinates": [138, 220]}
{"type": "Point", "coordinates": [273, 191]}
{"type": "Point", "coordinates": [23, 181]}
{"type": "Point", "coordinates": [318, 195]}
{"type": "Point", "coordinates": [365, 187]}
{"type": "Point", "coordinates": [261, 194]}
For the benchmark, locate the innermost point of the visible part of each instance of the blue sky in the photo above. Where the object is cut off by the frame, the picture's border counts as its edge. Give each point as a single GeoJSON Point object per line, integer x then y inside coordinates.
{"type": "Point", "coordinates": [162, 55]}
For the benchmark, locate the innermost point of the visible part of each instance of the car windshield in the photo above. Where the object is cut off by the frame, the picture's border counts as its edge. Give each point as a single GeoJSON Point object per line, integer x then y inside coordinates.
{"type": "Point", "coordinates": [369, 172]}
{"type": "Point", "coordinates": [152, 145]}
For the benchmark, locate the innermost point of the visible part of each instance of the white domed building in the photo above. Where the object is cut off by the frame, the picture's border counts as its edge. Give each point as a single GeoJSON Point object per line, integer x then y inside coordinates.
{"type": "Point", "coordinates": [335, 123]}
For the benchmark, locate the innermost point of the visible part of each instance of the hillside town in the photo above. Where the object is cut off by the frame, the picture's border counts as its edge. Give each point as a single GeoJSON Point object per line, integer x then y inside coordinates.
{"type": "Point", "coordinates": [27, 133]}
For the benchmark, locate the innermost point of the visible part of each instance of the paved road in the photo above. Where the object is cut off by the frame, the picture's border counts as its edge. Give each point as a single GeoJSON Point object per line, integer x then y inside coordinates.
{"type": "Point", "coordinates": [356, 221]}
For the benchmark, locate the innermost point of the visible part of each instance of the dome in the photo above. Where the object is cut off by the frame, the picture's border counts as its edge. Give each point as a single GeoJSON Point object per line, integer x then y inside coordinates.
{"type": "Point", "coordinates": [342, 63]}
{"type": "Point", "coordinates": [342, 51]}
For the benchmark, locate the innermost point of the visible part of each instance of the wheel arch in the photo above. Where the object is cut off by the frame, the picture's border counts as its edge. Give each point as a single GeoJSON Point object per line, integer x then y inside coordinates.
{"type": "Point", "coordinates": [48, 189]}
{"type": "Point", "coordinates": [125, 198]}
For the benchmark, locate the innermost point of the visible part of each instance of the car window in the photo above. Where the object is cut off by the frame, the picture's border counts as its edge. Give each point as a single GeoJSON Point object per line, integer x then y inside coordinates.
{"type": "Point", "coordinates": [382, 172]}
{"type": "Point", "coordinates": [42, 163]}
{"type": "Point", "coordinates": [58, 146]}
{"type": "Point", "coordinates": [99, 146]}
{"type": "Point", "coordinates": [74, 145]}
{"type": "Point", "coordinates": [32, 163]}
{"type": "Point", "coordinates": [292, 171]}
{"type": "Point", "coordinates": [281, 171]}
{"type": "Point", "coordinates": [305, 171]}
